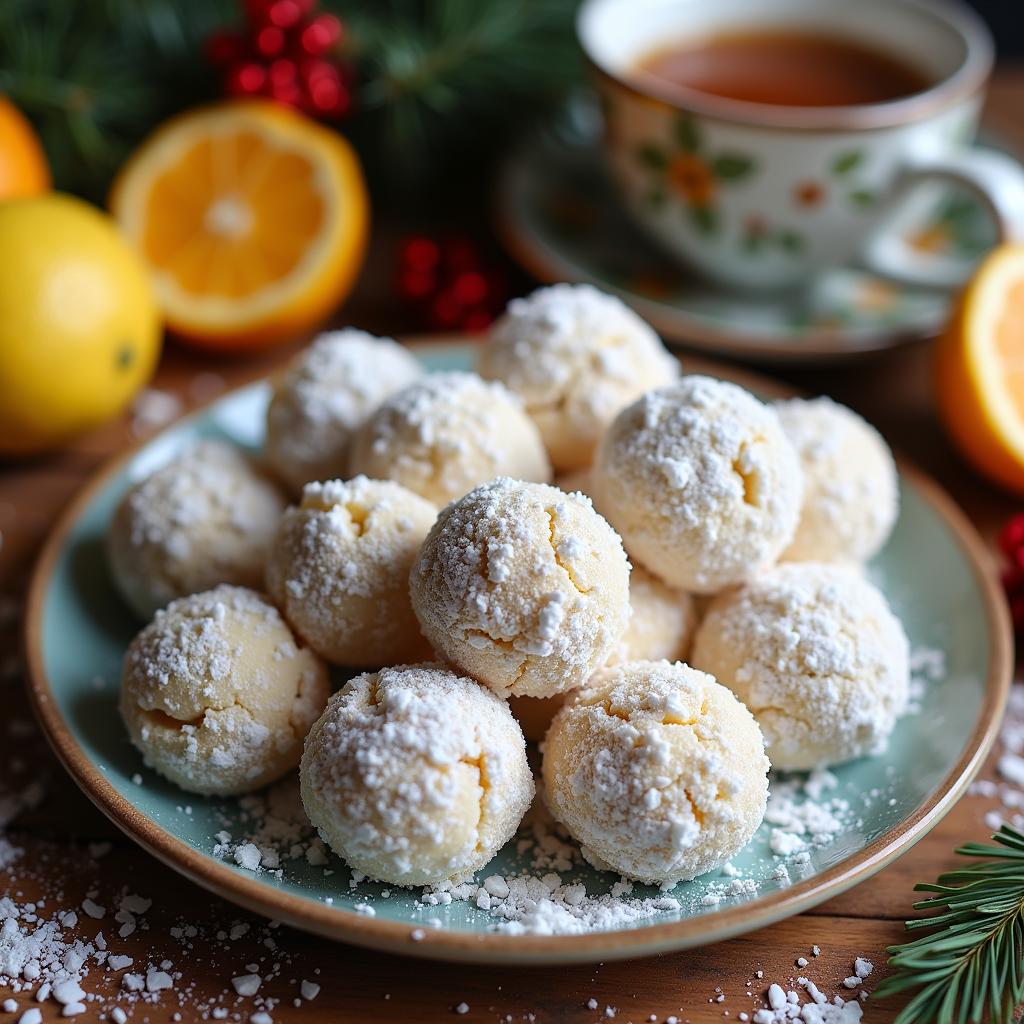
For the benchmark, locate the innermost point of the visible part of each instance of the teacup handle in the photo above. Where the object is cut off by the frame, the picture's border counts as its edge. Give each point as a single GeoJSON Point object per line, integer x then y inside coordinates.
{"type": "Point", "coordinates": [996, 179]}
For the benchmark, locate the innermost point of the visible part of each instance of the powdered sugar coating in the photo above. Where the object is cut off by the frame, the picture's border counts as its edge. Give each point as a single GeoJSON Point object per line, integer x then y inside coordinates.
{"type": "Point", "coordinates": [415, 775]}
{"type": "Point", "coordinates": [701, 483]}
{"type": "Point", "coordinates": [815, 653]}
{"type": "Point", "coordinates": [851, 491]}
{"type": "Point", "coordinates": [575, 356]}
{"type": "Point", "coordinates": [325, 395]}
{"type": "Point", "coordinates": [339, 570]}
{"type": "Point", "coordinates": [522, 586]}
{"type": "Point", "coordinates": [661, 623]}
{"type": "Point", "coordinates": [448, 432]}
{"type": "Point", "coordinates": [657, 771]}
{"type": "Point", "coordinates": [216, 693]}
{"type": "Point", "coordinates": [205, 518]}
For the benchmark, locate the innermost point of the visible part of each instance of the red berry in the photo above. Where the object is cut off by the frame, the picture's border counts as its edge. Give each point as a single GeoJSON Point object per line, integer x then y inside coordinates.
{"type": "Point", "coordinates": [469, 288]}
{"type": "Point", "coordinates": [416, 284]}
{"type": "Point", "coordinates": [1011, 537]}
{"type": "Point", "coordinates": [224, 48]}
{"type": "Point", "coordinates": [446, 311]}
{"type": "Point", "coordinates": [420, 253]}
{"type": "Point", "coordinates": [477, 320]}
{"type": "Point", "coordinates": [246, 79]}
{"type": "Point", "coordinates": [270, 41]}
{"type": "Point", "coordinates": [286, 13]}
{"type": "Point", "coordinates": [320, 34]}
{"type": "Point", "coordinates": [283, 72]}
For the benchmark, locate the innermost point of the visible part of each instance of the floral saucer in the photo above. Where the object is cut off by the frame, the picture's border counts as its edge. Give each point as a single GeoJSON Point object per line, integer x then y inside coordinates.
{"type": "Point", "coordinates": [560, 217]}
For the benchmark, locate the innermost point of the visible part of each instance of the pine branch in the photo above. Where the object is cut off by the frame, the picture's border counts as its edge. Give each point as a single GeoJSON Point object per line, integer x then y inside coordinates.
{"type": "Point", "coordinates": [96, 77]}
{"type": "Point", "coordinates": [973, 962]}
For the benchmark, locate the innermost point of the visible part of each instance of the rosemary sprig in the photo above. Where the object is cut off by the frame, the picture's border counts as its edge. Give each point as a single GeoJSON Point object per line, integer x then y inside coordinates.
{"type": "Point", "coordinates": [973, 961]}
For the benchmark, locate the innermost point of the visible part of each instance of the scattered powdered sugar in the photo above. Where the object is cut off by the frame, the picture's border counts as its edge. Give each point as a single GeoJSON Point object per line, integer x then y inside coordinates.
{"type": "Point", "coordinates": [927, 665]}
{"type": "Point", "coordinates": [275, 831]}
{"type": "Point", "coordinates": [801, 816]}
{"type": "Point", "coordinates": [806, 1002]}
{"type": "Point", "coordinates": [1008, 788]}
{"type": "Point", "coordinates": [152, 409]}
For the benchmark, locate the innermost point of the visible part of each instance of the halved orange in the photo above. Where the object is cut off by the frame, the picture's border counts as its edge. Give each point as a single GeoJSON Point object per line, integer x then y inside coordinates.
{"type": "Point", "coordinates": [252, 218]}
{"type": "Point", "coordinates": [23, 167]}
{"type": "Point", "coordinates": [979, 364]}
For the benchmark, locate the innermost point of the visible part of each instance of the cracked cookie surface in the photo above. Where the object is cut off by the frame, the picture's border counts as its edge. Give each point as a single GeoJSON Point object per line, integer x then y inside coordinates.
{"type": "Point", "coordinates": [218, 694]}
{"type": "Point", "coordinates": [701, 482]}
{"type": "Point", "coordinates": [815, 653]}
{"type": "Point", "coordinates": [416, 775]}
{"type": "Point", "coordinates": [657, 771]}
{"type": "Point", "coordinates": [523, 586]}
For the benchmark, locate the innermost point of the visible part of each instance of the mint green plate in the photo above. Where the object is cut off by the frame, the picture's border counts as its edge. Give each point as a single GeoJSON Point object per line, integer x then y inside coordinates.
{"type": "Point", "coordinates": [933, 570]}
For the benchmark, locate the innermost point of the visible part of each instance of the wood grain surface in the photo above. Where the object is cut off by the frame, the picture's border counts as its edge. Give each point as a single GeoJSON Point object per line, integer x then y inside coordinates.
{"type": "Point", "coordinates": [53, 824]}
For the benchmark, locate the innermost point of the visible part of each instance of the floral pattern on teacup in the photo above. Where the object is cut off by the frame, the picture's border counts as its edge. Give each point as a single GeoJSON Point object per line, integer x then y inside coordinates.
{"type": "Point", "coordinates": [683, 168]}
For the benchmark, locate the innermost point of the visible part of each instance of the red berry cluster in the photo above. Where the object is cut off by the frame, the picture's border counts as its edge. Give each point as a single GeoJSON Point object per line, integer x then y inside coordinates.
{"type": "Point", "coordinates": [286, 53]}
{"type": "Point", "coordinates": [448, 283]}
{"type": "Point", "coordinates": [1011, 541]}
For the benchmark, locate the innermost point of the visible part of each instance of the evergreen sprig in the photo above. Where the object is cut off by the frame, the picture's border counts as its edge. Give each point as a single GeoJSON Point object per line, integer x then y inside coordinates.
{"type": "Point", "coordinates": [973, 962]}
{"type": "Point", "coordinates": [440, 81]}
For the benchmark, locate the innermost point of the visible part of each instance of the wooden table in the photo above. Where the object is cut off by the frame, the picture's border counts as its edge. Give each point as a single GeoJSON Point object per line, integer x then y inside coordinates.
{"type": "Point", "coordinates": [892, 389]}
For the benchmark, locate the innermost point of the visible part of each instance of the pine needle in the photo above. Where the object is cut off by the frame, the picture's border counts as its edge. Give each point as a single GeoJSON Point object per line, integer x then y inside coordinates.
{"type": "Point", "coordinates": [972, 962]}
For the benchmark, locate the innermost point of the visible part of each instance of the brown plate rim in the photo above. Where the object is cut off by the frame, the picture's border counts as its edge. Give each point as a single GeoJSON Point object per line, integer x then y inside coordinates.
{"type": "Point", "coordinates": [442, 944]}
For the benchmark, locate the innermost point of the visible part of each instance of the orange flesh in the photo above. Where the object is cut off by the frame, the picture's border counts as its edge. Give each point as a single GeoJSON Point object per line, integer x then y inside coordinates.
{"type": "Point", "coordinates": [1009, 338]}
{"type": "Point", "coordinates": [232, 216]}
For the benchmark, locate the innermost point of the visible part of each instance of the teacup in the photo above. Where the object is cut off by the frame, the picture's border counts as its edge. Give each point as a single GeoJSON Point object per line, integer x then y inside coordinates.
{"type": "Point", "coordinates": [764, 196]}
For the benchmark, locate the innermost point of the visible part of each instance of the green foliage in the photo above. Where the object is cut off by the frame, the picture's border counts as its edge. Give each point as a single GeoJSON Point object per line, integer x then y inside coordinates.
{"type": "Point", "coordinates": [96, 76]}
{"type": "Point", "coordinates": [440, 81]}
{"type": "Point", "coordinates": [973, 961]}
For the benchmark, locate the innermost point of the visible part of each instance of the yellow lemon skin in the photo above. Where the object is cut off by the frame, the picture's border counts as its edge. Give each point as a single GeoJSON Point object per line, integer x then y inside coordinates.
{"type": "Point", "coordinates": [80, 331]}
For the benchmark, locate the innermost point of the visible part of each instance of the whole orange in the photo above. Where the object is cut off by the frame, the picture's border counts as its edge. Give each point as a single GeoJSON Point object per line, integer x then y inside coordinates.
{"type": "Point", "coordinates": [23, 167]}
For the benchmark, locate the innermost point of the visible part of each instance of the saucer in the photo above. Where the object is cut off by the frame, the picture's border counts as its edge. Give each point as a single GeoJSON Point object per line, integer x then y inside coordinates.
{"type": "Point", "coordinates": [560, 216]}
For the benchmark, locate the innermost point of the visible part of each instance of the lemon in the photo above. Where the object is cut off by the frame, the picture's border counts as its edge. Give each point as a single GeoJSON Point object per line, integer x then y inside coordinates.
{"type": "Point", "coordinates": [79, 326]}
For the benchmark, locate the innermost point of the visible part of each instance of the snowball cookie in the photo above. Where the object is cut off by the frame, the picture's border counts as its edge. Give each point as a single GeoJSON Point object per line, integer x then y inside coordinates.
{"type": "Point", "coordinates": [206, 518]}
{"type": "Point", "coordinates": [661, 624]}
{"type": "Point", "coordinates": [325, 395]}
{"type": "Point", "coordinates": [657, 771]}
{"type": "Point", "coordinates": [851, 493]}
{"type": "Point", "coordinates": [701, 483]}
{"type": "Point", "coordinates": [445, 434]}
{"type": "Point", "coordinates": [339, 570]}
{"type": "Point", "coordinates": [814, 652]}
{"type": "Point", "coordinates": [217, 694]}
{"type": "Point", "coordinates": [523, 587]}
{"type": "Point", "coordinates": [415, 775]}
{"type": "Point", "coordinates": [575, 356]}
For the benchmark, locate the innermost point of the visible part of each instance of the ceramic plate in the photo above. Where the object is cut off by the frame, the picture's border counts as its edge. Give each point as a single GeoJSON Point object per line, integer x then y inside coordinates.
{"type": "Point", "coordinates": [933, 572]}
{"type": "Point", "coordinates": [560, 216]}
